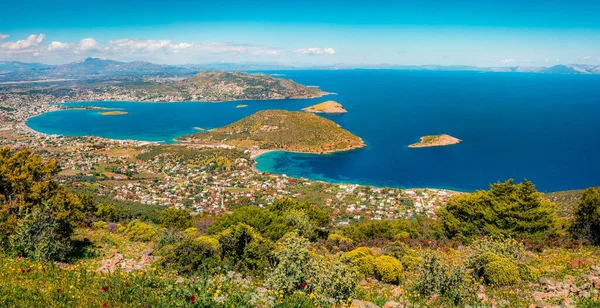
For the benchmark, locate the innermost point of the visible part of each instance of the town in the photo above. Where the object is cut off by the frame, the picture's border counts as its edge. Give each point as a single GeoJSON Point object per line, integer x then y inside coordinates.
{"type": "Point", "coordinates": [205, 180]}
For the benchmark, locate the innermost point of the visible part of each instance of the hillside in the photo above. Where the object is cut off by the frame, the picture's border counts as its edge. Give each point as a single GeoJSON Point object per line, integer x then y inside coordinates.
{"type": "Point", "coordinates": [213, 86]}
{"type": "Point", "coordinates": [326, 107]}
{"type": "Point", "coordinates": [282, 130]}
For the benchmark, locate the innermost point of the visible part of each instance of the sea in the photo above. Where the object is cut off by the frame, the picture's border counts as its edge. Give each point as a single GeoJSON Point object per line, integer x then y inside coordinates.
{"type": "Point", "coordinates": [540, 127]}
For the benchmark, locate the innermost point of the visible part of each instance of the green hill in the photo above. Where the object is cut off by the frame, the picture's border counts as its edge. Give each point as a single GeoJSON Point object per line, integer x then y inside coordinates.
{"type": "Point", "coordinates": [219, 86]}
{"type": "Point", "coordinates": [282, 130]}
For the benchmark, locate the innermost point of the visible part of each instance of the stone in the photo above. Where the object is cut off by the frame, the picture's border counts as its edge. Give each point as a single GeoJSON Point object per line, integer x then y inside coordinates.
{"type": "Point", "coordinates": [394, 304]}
{"type": "Point", "coordinates": [481, 296]}
{"type": "Point", "coordinates": [581, 262]}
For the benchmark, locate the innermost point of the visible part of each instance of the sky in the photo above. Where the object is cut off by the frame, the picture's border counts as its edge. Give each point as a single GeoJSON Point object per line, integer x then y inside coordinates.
{"type": "Point", "coordinates": [303, 32]}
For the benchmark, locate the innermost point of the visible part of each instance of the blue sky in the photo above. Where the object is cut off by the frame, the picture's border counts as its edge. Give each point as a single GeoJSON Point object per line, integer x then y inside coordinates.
{"type": "Point", "coordinates": [482, 33]}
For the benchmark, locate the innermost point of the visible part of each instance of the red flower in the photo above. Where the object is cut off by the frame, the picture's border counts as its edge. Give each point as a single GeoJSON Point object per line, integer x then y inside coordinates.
{"type": "Point", "coordinates": [29, 270]}
{"type": "Point", "coordinates": [303, 285]}
{"type": "Point", "coordinates": [57, 290]}
{"type": "Point", "coordinates": [104, 304]}
{"type": "Point", "coordinates": [192, 299]}
{"type": "Point", "coordinates": [127, 284]}
{"type": "Point", "coordinates": [22, 271]}
{"type": "Point", "coordinates": [105, 288]}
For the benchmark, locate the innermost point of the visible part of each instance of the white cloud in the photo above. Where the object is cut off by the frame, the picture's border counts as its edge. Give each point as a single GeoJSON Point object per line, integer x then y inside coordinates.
{"type": "Point", "coordinates": [31, 41]}
{"type": "Point", "coordinates": [3, 36]}
{"type": "Point", "coordinates": [315, 51]}
{"type": "Point", "coordinates": [88, 44]}
{"type": "Point", "coordinates": [55, 46]}
{"type": "Point", "coordinates": [508, 61]}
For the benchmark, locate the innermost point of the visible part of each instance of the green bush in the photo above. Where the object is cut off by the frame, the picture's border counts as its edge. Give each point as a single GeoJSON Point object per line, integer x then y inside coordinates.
{"type": "Point", "coordinates": [245, 249]}
{"type": "Point", "coordinates": [142, 232]}
{"type": "Point", "coordinates": [293, 259]}
{"type": "Point", "coordinates": [175, 219]}
{"type": "Point", "coordinates": [501, 272]}
{"type": "Point", "coordinates": [170, 237]}
{"type": "Point", "coordinates": [330, 278]}
{"type": "Point", "coordinates": [388, 269]}
{"type": "Point", "coordinates": [528, 273]}
{"type": "Point", "coordinates": [506, 247]}
{"type": "Point", "coordinates": [192, 231]}
{"type": "Point", "coordinates": [437, 278]}
{"type": "Point", "coordinates": [38, 237]}
{"type": "Point", "coordinates": [338, 242]}
{"type": "Point", "coordinates": [193, 256]}
{"type": "Point", "coordinates": [362, 259]}
{"type": "Point", "coordinates": [107, 212]}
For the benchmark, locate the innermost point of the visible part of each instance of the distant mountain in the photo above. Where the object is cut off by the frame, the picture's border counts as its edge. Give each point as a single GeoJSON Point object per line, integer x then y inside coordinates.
{"type": "Point", "coordinates": [95, 68]}
{"type": "Point", "coordinates": [12, 66]}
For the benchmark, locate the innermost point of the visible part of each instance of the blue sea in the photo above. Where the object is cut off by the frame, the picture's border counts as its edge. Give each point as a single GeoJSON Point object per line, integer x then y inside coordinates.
{"type": "Point", "coordinates": [545, 128]}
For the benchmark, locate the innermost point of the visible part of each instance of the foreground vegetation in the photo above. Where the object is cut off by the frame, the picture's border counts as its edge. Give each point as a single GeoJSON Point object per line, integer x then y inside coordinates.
{"type": "Point", "coordinates": [504, 247]}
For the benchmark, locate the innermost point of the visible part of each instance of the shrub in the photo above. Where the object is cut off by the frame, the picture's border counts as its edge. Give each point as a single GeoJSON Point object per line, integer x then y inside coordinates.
{"type": "Point", "coordinates": [244, 249]}
{"type": "Point", "coordinates": [300, 221]}
{"type": "Point", "coordinates": [388, 269]}
{"type": "Point", "coordinates": [501, 272]}
{"type": "Point", "coordinates": [528, 273]}
{"type": "Point", "coordinates": [338, 242]}
{"type": "Point", "coordinates": [292, 257]}
{"type": "Point", "coordinates": [586, 223]}
{"type": "Point", "coordinates": [437, 278]}
{"type": "Point", "coordinates": [191, 231]}
{"type": "Point", "coordinates": [38, 237]}
{"type": "Point", "coordinates": [107, 212]}
{"type": "Point", "coordinates": [396, 249]}
{"type": "Point", "coordinates": [330, 278]}
{"type": "Point", "coordinates": [506, 247]}
{"type": "Point", "coordinates": [142, 232]}
{"type": "Point", "coordinates": [193, 256]}
{"type": "Point", "coordinates": [175, 219]}
{"type": "Point", "coordinates": [168, 238]}
{"type": "Point", "coordinates": [362, 259]}
{"type": "Point", "coordinates": [100, 225]}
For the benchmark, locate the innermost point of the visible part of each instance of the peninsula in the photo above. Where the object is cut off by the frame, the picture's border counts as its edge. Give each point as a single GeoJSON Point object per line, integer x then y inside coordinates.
{"type": "Point", "coordinates": [281, 130]}
{"type": "Point", "coordinates": [326, 107]}
{"type": "Point", "coordinates": [435, 141]}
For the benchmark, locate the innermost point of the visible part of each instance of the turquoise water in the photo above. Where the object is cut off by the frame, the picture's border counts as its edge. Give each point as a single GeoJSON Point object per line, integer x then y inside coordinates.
{"type": "Point", "coordinates": [541, 127]}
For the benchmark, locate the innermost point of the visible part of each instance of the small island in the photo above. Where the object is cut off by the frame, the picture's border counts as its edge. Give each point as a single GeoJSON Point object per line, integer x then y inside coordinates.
{"type": "Point", "coordinates": [241, 106]}
{"type": "Point", "coordinates": [110, 113]}
{"type": "Point", "coordinates": [326, 107]}
{"type": "Point", "coordinates": [435, 141]}
{"type": "Point", "coordinates": [280, 130]}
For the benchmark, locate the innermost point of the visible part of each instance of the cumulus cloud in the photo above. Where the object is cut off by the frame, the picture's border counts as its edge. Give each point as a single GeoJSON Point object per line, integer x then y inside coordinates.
{"type": "Point", "coordinates": [88, 44]}
{"type": "Point", "coordinates": [31, 41]}
{"type": "Point", "coordinates": [315, 51]}
{"type": "Point", "coordinates": [55, 46]}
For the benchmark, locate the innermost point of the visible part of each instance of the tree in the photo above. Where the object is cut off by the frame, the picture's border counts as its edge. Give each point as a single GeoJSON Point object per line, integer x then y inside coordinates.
{"type": "Point", "coordinates": [586, 224]}
{"type": "Point", "coordinates": [175, 219]}
{"type": "Point", "coordinates": [33, 204]}
{"type": "Point", "coordinates": [506, 209]}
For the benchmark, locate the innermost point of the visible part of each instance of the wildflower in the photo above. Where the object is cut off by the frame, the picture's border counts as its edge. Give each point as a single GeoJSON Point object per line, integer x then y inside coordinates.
{"type": "Point", "coordinates": [192, 299]}
{"type": "Point", "coordinates": [105, 304]}
{"type": "Point", "coordinates": [105, 288]}
{"type": "Point", "coordinates": [303, 285]}
{"type": "Point", "coordinates": [58, 291]}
